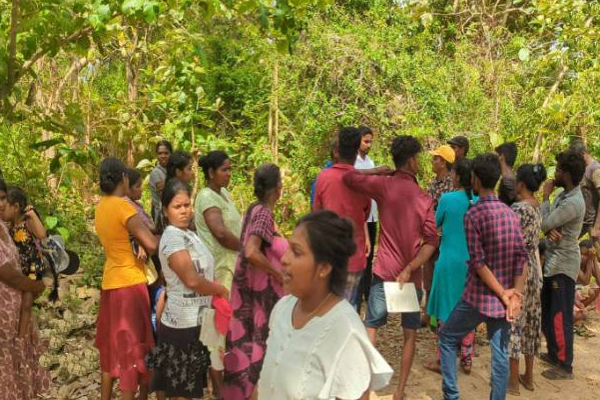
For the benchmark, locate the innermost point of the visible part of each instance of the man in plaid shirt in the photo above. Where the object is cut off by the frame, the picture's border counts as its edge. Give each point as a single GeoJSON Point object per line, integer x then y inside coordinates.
{"type": "Point", "coordinates": [494, 282]}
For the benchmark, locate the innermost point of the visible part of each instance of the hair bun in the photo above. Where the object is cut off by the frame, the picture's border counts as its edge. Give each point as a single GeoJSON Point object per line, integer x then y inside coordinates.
{"type": "Point", "coordinates": [539, 171]}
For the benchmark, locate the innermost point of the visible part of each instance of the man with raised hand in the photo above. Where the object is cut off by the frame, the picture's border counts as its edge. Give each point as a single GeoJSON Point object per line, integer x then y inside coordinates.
{"type": "Point", "coordinates": [408, 239]}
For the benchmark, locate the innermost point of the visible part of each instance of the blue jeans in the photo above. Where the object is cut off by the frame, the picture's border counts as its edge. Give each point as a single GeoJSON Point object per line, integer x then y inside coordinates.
{"type": "Point", "coordinates": [377, 308]}
{"type": "Point", "coordinates": [463, 319]}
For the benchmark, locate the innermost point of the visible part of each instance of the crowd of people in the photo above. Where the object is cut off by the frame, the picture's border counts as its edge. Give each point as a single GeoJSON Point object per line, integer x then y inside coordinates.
{"type": "Point", "coordinates": [196, 295]}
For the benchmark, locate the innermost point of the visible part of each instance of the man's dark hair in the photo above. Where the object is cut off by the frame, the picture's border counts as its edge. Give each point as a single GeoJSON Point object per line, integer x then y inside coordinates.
{"type": "Point", "coordinates": [365, 130]}
{"type": "Point", "coordinates": [403, 148]}
{"type": "Point", "coordinates": [331, 239]}
{"type": "Point", "coordinates": [578, 147]}
{"type": "Point", "coordinates": [509, 151]}
{"type": "Point", "coordinates": [572, 163]}
{"type": "Point", "coordinates": [486, 168]}
{"type": "Point", "coordinates": [348, 144]}
{"type": "Point", "coordinates": [2, 186]}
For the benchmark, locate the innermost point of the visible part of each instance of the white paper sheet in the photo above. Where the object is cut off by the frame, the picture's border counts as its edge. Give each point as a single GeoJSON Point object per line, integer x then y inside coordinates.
{"type": "Point", "coordinates": [400, 300]}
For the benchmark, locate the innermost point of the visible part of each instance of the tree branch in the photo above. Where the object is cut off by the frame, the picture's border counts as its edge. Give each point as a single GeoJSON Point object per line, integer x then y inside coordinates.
{"type": "Point", "coordinates": [40, 53]}
{"type": "Point", "coordinates": [540, 136]}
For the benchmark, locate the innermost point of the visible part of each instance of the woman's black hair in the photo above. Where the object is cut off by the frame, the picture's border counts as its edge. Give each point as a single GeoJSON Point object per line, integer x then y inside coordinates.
{"type": "Point", "coordinates": [213, 160]}
{"type": "Point", "coordinates": [2, 186]}
{"type": "Point", "coordinates": [365, 130]}
{"type": "Point", "coordinates": [112, 171]}
{"type": "Point", "coordinates": [172, 188]}
{"type": "Point", "coordinates": [164, 143]}
{"type": "Point", "coordinates": [266, 178]}
{"type": "Point", "coordinates": [532, 176]}
{"type": "Point", "coordinates": [463, 169]}
{"type": "Point", "coordinates": [16, 195]}
{"type": "Point", "coordinates": [134, 176]}
{"type": "Point", "coordinates": [178, 160]}
{"type": "Point", "coordinates": [331, 240]}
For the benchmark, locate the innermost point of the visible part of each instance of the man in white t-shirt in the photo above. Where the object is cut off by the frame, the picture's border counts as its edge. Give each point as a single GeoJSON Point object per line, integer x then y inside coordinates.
{"type": "Point", "coordinates": [363, 161]}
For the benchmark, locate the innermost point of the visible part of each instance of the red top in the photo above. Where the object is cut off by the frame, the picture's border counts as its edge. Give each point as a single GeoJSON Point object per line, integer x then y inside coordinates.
{"type": "Point", "coordinates": [406, 221]}
{"type": "Point", "coordinates": [333, 194]}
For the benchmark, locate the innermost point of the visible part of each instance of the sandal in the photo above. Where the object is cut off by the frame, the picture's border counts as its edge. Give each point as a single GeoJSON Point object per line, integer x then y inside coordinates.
{"type": "Point", "coordinates": [513, 392]}
{"type": "Point", "coordinates": [525, 384]}
{"type": "Point", "coordinates": [556, 374]}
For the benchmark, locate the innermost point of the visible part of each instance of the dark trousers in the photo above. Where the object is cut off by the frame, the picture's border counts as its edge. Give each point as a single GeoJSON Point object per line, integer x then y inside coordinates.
{"type": "Point", "coordinates": [558, 298]}
{"type": "Point", "coordinates": [365, 281]}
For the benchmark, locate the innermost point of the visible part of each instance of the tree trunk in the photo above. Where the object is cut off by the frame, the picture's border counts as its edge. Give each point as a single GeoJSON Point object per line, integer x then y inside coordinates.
{"type": "Point", "coordinates": [7, 87]}
{"type": "Point", "coordinates": [132, 75]}
{"type": "Point", "coordinates": [274, 114]}
{"type": "Point", "coordinates": [538, 141]}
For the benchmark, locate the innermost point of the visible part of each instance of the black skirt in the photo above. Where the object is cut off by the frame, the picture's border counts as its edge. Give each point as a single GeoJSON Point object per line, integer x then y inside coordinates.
{"type": "Point", "coordinates": [179, 361]}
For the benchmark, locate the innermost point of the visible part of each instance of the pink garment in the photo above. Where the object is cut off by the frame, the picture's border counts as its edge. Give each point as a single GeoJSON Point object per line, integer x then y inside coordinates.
{"type": "Point", "coordinates": [406, 220]}
{"type": "Point", "coordinates": [223, 313]}
{"type": "Point", "coordinates": [331, 193]}
{"type": "Point", "coordinates": [274, 254]}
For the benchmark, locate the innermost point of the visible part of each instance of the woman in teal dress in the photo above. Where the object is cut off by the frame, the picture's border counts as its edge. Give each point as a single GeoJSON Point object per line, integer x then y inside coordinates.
{"type": "Point", "coordinates": [450, 271]}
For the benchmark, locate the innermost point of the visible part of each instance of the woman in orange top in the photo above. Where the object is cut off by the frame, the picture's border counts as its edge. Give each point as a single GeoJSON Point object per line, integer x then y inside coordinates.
{"type": "Point", "coordinates": [124, 333]}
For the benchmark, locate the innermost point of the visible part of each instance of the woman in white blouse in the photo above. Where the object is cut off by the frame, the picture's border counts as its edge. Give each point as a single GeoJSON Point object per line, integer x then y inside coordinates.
{"type": "Point", "coordinates": [318, 347]}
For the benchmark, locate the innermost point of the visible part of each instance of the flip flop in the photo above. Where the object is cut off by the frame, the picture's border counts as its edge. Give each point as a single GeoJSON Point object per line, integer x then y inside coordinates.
{"type": "Point", "coordinates": [513, 392]}
{"type": "Point", "coordinates": [525, 384]}
{"type": "Point", "coordinates": [556, 374]}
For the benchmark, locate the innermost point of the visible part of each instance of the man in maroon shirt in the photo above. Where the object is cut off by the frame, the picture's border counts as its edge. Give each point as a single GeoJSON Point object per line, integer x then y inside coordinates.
{"type": "Point", "coordinates": [333, 194]}
{"type": "Point", "coordinates": [408, 238]}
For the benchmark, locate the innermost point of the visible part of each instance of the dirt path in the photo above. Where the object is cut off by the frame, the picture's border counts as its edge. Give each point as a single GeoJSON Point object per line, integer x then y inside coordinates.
{"type": "Point", "coordinates": [423, 384]}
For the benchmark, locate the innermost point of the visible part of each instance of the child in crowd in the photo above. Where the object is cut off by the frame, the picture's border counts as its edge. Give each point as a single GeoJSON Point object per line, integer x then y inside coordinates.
{"type": "Point", "coordinates": [586, 292]}
{"type": "Point", "coordinates": [26, 229]}
{"type": "Point", "coordinates": [157, 290]}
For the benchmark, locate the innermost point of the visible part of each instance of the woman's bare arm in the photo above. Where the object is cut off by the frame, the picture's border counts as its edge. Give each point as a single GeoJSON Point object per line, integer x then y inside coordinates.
{"type": "Point", "coordinates": [181, 263]}
{"type": "Point", "coordinates": [138, 229]}
{"type": "Point", "coordinates": [253, 253]}
{"type": "Point", "coordinates": [214, 220]}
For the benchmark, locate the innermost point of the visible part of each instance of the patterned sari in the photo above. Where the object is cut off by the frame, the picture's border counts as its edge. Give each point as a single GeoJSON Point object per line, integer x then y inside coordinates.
{"type": "Point", "coordinates": [21, 376]}
{"type": "Point", "coordinates": [253, 296]}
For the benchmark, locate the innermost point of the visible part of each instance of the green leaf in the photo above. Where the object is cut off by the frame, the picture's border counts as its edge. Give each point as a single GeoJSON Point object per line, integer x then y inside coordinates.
{"type": "Point", "coordinates": [130, 7]}
{"type": "Point", "coordinates": [64, 232]}
{"type": "Point", "coordinates": [145, 164]}
{"type": "Point", "coordinates": [150, 9]}
{"type": "Point", "coordinates": [55, 163]}
{"type": "Point", "coordinates": [46, 144]}
{"type": "Point", "coordinates": [524, 54]}
{"type": "Point", "coordinates": [51, 222]}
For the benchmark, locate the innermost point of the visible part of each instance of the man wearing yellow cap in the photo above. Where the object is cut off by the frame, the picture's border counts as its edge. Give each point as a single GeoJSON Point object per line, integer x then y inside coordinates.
{"type": "Point", "coordinates": [443, 158]}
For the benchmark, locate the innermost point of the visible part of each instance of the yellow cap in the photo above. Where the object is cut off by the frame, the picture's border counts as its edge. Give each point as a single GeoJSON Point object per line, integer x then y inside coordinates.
{"type": "Point", "coordinates": [444, 151]}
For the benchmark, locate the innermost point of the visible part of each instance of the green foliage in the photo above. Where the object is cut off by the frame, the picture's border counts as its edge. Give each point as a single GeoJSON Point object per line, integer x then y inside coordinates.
{"type": "Point", "coordinates": [274, 80]}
